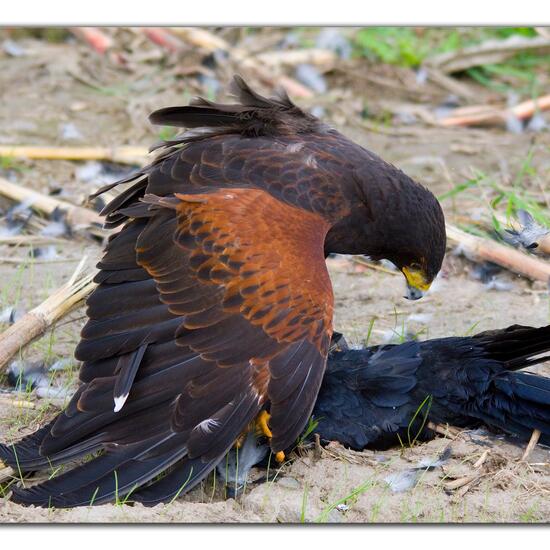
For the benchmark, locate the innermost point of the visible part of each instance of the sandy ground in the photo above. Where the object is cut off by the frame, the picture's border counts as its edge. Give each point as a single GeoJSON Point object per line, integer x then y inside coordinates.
{"type": "Point", "coordinates": [37, 95]}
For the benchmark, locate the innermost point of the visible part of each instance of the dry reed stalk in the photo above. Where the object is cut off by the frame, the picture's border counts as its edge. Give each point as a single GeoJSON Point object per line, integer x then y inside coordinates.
{"type": "Point", "coordinates": [490, 51]}
{"type": "Point", "coordinates": [125, 154]}
{"type": "Point", "coordinates": [29, 240]}
{"type": "Point", "coordinates": [36, 322]}
{"type": "Point", "coordinates": [369, 265]}
{"type": "Point", "coordinates": [447, 431]}
{"type": "Point", "coordinates": [312, 56]}
{"type": "Point", "coordinates": [204, 39]}
{"type": "Point", "coordinates": [77, 216]}
{"type": "Point", "coordinates": [14, 402]}
{"type": "Point", "coordinates": [460, 482]}
{"type": "Point", "coordinates": [18, 260]}
{"type": "Point", "coordinates": [481, 249]}
{"type": "Point", "coordinates": [6, 472]}
{"type": "Point", "coordinates": [94, 37]}
{"type": "Point", "coordinates": [164, 38]}
{"type": "Point", "coordinates": [201, 38]}
{"type": "Point", "coordinates": [487, 115]}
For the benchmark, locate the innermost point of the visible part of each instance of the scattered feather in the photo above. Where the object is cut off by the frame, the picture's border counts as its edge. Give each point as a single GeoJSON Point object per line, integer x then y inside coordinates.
{"type": "Point", "coordinates": [330, 38]}
{"type": "Point", "coordinates": [386, 264]}
{"type": "Point", "coordinates": [66, 363]}
{"type": "Point", "coordinates": [25, 375]}
{"type": "Point", "coordinates": [530, 233]}
{"type": "Point", "coordinates": [402, 481]}
{"type": "Point", "coordinates": [11, 314]}
{"type": "Point", "coordinates": [234, 469]}
{"type": "Point", "coordinates": [309, 76]}
{"type": "Point", "coordinates": [210, 84]}
{"type": "Point", "coordinates": [405, 118]}
{"type": "Point", "coordinates": [89, 171]}
{"type": "Point", "coordinates": [101, 173]}
{"type": "Point", "coordinates": [514, 124]}
{"type": "Point", "coordinates": [498, 284]}
{"type": "Point", "coordinates": [421, 318]}
{"type": "Point", "coordinates": [429, 463]}
{"type": "Point", "coordinates": [485, 272]}
{"type": "Point", "coordinates": [54, 392]}
{"type": "Point", "coordinates": [291, 40]}
{"type": "Point", "coordinates": [46, 253]}
{"type": "Point", "coordinates": [537, 123]}
{"type": "Point", "coordinates": [17, 217]}
{"type": "Point", "coordinates": [68, 131]}
{"type": "Point", "coordinates": [421, 76]}
{"type": "Point", "coordinates": [444, 109]}
{"type": "Point", "coordinates": [58, 226]}
{"type": "Point", "coordinates": [318, 111]}
{"type": "Point", "coordinates": [13, 49]}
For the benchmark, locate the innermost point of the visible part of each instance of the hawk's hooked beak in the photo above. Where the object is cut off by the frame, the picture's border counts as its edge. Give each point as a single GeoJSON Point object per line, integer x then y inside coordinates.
{"type": "Point", "coordinates": [417, 285]}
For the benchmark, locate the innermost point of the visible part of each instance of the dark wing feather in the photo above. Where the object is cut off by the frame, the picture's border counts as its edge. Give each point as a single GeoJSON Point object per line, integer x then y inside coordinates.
{"type": "Point", "coordinates": [202, 297]}
{"type": "Point", "coordinates": [246, 259]}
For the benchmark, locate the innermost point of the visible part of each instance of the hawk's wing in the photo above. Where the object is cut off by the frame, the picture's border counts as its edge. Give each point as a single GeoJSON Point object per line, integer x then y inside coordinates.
{"type": "Point", "coordinates": [213, 300]}
{"type": "Point", "coordinates": [208, 308]}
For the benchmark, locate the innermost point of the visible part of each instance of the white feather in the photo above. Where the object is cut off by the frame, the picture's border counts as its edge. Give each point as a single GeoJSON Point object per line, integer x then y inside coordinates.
{"type": "Point", "coordinates": [119, 402]}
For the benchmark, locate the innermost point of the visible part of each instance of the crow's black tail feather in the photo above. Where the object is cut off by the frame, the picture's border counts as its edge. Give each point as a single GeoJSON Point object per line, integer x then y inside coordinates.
{"type": "Point", "coordinates": [518, 403]}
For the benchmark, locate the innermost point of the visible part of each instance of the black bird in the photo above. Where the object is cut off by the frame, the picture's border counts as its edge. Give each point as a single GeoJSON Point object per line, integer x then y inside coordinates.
{"type": "Point", "coordinates": [380, 396]}
{"type": "Point", "coordinates": [384, 396]}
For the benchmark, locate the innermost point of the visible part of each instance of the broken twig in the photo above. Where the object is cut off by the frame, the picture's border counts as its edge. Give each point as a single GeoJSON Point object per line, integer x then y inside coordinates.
{"type": "Point", "coordinates": [531, 445]}
{"type": "Point", "coordinates": [36, 322]}
{"type": "Point", "coordinates": [447, 431]}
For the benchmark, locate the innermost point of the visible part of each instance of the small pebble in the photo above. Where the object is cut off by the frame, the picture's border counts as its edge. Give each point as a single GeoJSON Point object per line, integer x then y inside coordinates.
{"type": "Point", "coordinates": [289, 483]}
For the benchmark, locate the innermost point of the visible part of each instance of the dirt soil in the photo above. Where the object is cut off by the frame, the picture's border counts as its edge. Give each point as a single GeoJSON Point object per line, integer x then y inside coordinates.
{"type": "Point", "coordinates": [41, 91]}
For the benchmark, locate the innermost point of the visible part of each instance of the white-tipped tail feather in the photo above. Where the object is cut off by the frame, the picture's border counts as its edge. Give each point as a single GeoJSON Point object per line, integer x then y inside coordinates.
{"type": "Point", "coordinates": [119, 402]}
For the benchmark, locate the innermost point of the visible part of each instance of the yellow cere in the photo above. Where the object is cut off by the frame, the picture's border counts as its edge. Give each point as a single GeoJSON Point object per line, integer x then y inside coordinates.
{"type": "Point", "coordinates": [416, 279]}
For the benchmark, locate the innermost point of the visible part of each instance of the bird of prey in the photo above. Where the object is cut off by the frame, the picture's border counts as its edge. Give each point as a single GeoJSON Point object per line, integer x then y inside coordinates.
{"type": "Point", "coordinates": [381, 396]}
{"type": "Point", "coordinates": [214, 305]}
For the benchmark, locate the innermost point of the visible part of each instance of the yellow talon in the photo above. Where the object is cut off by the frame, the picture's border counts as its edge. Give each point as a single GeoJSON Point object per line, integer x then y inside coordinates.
{"type": "Point", "coordinates": [261, 424]}
{"type": "Point", "coordinates": [262, 428]}
{"type": "Point", "coordinates": [240, 440]}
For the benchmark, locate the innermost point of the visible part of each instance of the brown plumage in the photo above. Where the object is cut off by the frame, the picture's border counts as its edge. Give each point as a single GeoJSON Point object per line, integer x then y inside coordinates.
{"type": "Point", "coordinates": [214, 302]}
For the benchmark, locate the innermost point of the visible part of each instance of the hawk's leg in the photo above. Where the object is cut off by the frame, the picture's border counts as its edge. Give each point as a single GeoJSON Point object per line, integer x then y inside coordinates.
{"type": "Point", "coordinates": [262, 428]}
